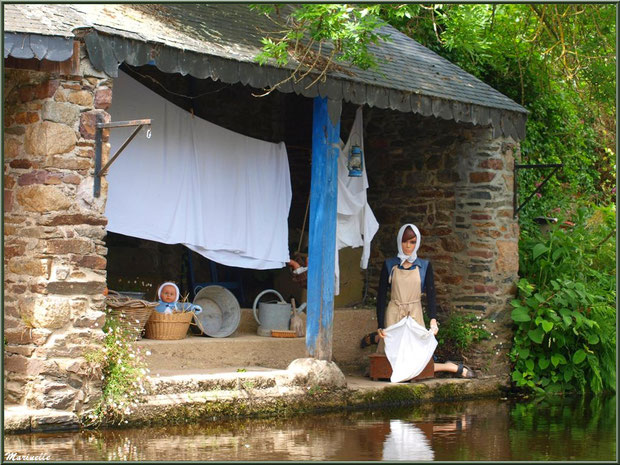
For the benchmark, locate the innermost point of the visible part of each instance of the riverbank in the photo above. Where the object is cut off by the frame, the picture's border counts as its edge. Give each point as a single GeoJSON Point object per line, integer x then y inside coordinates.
{"type": "Point", "coordinates": [307, 385]}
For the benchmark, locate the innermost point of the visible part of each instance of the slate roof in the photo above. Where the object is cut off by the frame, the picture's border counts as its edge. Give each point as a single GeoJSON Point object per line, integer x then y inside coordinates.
{"type": "Point", "coordinates": [220, 41]}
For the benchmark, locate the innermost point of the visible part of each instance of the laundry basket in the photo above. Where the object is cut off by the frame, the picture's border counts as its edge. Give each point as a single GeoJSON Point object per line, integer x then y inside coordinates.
{"type": "Point", "coordinates": [131, 313]}
{"type": "Point", "coordinates": [168, 326]}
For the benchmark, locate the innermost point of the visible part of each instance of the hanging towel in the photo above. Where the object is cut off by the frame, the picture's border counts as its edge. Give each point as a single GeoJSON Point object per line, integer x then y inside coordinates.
{"type": "Point", "coordinates": [224, 195]}
{"type": "Point", "coordinates": [356, 224]}
{"type": "Point", "coordinates": [409, 347]}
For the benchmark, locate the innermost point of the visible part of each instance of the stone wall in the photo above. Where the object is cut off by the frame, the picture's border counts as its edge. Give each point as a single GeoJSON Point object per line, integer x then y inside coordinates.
{"type": "Point", "coordinates": [54, 254]}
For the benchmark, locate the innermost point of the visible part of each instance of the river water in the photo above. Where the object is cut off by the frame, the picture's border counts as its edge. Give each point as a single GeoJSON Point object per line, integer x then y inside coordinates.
{"type": "Point", "coordinates": [557, 429]}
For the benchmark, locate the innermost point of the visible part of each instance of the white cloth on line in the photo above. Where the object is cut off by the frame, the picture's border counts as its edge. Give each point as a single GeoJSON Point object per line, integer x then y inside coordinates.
{"type": "Point", "coordinates": [224, 195]}
{"type": "Point", "coordinates": [356, 224]}
{"type": "Point", "coordinates": [408, 347]}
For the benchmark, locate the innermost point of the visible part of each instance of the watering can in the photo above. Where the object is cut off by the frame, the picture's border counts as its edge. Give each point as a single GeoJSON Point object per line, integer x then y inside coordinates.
{"type": "Point", "coordinates": [272, 315]}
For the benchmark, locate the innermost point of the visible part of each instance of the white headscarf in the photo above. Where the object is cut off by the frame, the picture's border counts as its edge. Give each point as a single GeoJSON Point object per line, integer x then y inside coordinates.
{"type": "Point", "coordinates": [168, 284]}
{"type": "Point", "coordinates": [399, 239]}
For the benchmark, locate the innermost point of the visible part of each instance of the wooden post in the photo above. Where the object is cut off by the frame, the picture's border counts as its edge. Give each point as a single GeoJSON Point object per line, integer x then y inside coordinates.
{"type": "Point", "coordinates": [322, 229]}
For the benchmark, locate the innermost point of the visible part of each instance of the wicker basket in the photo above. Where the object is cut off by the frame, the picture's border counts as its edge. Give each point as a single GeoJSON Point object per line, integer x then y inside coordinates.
{"type": "Point", "coordinates": [131, 313]}
{"type": "Point", "coordinates": [168, 326]}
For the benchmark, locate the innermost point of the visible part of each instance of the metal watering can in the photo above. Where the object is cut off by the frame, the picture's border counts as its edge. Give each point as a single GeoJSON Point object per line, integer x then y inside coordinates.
{"type": "Point", "coordinates": [272, 315]}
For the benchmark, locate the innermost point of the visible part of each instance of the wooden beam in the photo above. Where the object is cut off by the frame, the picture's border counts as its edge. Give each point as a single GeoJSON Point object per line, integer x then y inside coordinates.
{"type": "Point", "coordinates": [322, 229]}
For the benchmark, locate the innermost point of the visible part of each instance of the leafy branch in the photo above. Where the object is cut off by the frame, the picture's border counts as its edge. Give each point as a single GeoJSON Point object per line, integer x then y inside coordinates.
{"type": "Point", "coordinates": [315, 38]}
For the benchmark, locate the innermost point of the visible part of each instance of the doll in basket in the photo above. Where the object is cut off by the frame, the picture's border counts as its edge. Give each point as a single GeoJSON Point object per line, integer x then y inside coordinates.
{"type": "Point", "coordinates": [168, 294]}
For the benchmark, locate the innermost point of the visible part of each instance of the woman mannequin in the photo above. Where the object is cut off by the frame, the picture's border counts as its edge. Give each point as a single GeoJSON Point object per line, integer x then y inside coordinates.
{"type": "Point", "coordinates": [408, 277]}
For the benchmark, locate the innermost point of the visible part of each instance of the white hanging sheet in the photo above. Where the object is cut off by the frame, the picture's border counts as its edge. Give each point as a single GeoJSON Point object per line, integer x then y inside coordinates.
{"type": "Point", "coordinates": [409, 347]}
{"type": "Point", "coordinates": [224, 195]}
{"type": "Point", "coordinates": [356, 224]}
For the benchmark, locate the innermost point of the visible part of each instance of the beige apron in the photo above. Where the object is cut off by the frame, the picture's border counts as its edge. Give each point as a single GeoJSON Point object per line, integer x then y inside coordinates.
{"type": "Point", "coordinates": [405, 299]}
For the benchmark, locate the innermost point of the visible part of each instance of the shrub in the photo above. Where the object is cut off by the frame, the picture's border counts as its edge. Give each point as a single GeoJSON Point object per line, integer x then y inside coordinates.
{"type": "Point", "coordinates": [459, 332]}
{"type": "Point", "coordinates": [123, 371]}
{"type": "Point", "coordinates": [565, 316]}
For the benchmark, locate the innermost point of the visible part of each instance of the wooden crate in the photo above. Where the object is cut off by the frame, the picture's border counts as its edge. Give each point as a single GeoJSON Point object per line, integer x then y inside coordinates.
{"type": "Point", "coordinates": [380, 368]}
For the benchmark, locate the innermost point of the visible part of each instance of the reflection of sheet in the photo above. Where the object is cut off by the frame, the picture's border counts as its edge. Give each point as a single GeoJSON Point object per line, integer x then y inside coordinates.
{"type": "Point", "coordinates": [406, 442]}
{"type": "Point", "coordinates": [409, 347]}
{"type": "Point", "coordinates": [224, 195]}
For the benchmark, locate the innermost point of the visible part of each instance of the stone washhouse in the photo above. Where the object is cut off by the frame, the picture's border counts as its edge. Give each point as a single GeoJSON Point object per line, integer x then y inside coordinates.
{"type": "Point", "coordinates": [440, 149]}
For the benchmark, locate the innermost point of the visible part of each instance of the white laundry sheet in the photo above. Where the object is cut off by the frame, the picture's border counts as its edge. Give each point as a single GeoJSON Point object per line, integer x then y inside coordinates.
{"type": "Point", "coordinates": [408, 347]}
{"type": "Point", "coordinates": [224, 195]}
{"type": "Point", "coordinates": [406, 442]}
{"type": "Point", "coordinates": [356, 224]}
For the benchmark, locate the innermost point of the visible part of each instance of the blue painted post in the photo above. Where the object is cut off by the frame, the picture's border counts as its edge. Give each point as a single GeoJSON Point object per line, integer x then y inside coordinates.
{"type": "Point", "coordinates": [322, 229]}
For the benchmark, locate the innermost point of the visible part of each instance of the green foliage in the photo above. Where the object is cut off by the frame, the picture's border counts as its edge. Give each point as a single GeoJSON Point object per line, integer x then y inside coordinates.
{"type": "Point", "coordinates": [557, 60]}
{"type": "Point", "coordinates": [459, 332]}
{"type": "Point", "coordinates": [122, 370]}
{"type": "Point", "coordinates": [343, 31]}
{"type": "Point", "coordinates": [565, 318]}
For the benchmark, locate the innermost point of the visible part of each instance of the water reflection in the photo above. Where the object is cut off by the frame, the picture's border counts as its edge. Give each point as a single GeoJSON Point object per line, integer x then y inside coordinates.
{"type": "Point", "coordinates": [554, 429]}
{"type": "Point", "coordinates": [406, 442]}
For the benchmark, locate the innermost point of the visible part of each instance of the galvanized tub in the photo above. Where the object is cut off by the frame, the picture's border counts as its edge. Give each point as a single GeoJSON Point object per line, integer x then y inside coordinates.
{"type": "Point", "coordinates": [220, 314]}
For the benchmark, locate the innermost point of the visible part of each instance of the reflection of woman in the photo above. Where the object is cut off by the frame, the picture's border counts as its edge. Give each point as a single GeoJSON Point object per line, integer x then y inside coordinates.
{"type": "Point", "coordinates": [408, 276]}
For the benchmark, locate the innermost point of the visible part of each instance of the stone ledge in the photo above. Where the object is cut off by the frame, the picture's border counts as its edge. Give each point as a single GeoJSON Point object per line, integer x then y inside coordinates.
{"type": "Point", "coordinates": [21, 419]}
{"type": "Point", "coordinates": [263, 392]}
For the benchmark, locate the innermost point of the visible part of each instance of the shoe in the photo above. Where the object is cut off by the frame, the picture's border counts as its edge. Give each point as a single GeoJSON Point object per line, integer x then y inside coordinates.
{"type": "Point", "coordinates": [369, 339]}
{"type": "Point", "coordinates": [470, 372]}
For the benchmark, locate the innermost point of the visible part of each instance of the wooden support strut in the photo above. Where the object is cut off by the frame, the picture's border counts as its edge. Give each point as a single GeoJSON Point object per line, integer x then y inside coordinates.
{"type": "Point", "coordinates": [99, 171]}
{"type": "Point", "coordinates": [322, 229]}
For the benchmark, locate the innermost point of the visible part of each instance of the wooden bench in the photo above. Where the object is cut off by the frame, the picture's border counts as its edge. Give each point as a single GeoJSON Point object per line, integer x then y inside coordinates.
{"type": "Point", "coordinates": [380, 368]}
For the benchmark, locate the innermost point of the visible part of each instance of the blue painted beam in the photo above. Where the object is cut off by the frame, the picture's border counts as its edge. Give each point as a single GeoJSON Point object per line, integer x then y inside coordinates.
{"type": "Point", "coordinates": [322, 228]}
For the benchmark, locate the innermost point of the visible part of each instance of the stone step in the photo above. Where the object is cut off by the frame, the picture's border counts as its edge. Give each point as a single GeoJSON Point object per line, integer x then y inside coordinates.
{"type": "Point", "coordinates": [215, 380]}
{"type": "Point", "coordinates": [244, 348]}
{"type": "Point", "coordinates": [239, 351]}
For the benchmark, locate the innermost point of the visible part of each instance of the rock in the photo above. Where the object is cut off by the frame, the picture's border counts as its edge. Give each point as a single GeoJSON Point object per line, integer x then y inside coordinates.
{"type": "Point", "coordinates": [55, 420]}
{"type": "Point", "coordinates": [479, 177]}
{"type": "Point", "coordinates": [81, 97]}
{"type": "Point", "coordinates": [60, 112]}
{"type": "Point", "coordinates": [40, 198]}
{"type": "Point", "coordinates": [103, 98]}
{"type": "Point", "coordinates": [493, 164]}
{"type": "Point", "coordinates": [11, 148]}
{"type": "Point", "coordinates": [24, 335]}
{"type": "Point", "coordinates": [50, 312]}
{"type": "Point", "coordinates": [507, 257]}
{"type": "Point", "coordinates": [16, 419]}
{"type": "Point", "coordinates": [91, 319]}
{"type": "Point", "coordinates": [452, 244]}
{"type": "Point", "coordinates": [313, 372]}
{"type": "Point", "coordinates": [64, 246]}
{"type": "Point", "coordinates": [76, 288]}
{"type": "Point", "coordinates": [31, 267]}
{"type": "Point", "coordinates": [48, 138]}
{"type": "Point", "coordinates": [47, 89]}
{"type": "Point", "coordinates": [74, 219]}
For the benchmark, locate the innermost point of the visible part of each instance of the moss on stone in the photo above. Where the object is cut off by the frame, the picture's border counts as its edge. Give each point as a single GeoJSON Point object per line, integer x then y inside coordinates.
{"type": "Point", "coordinates": [393, 395]}
{"type": "Point", "coordinates": [449, 391]}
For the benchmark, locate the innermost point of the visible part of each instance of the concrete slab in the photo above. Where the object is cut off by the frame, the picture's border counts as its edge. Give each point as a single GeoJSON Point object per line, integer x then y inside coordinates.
{"type": "Point", "coordinates": [244, 348]}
